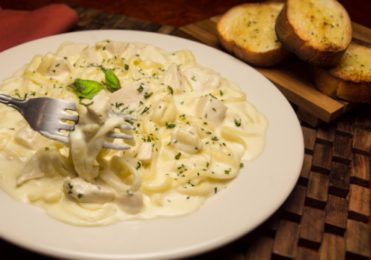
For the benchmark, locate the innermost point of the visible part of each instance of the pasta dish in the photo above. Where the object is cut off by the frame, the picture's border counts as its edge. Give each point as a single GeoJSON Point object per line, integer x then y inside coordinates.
{"type": "Point", "coordinates": [194, 132]}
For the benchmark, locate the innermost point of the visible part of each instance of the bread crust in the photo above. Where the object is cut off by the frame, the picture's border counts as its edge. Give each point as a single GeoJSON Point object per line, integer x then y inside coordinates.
{"type": "Point", "coordinates": [259, 59]}
{"type": "Point", "coordinates": [330, 84]}
{"type": "Point", "coordinates": [291, 41]}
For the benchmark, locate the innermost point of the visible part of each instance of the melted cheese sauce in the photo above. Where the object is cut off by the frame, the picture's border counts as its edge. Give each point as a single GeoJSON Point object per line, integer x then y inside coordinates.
{"type": "Point", "coordinates": [194, 131]}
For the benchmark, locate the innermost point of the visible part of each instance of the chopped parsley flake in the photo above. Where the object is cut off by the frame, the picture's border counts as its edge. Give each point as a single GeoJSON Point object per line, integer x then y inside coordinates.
{"type": "Point", "coordinates": [237, 122]}
{"type": "Point", "coordinates": [80, 195]}
{"type": "Point", "coordinates": [178, 156]}
{"type": "Point", "coordinates": [140, 89]}
{"type": "Point", "coordinates": [214, 138]}
{"type": "Point", "coordinates": [147, 95]}
{"type": "Point", "coordinates": [171, 90]}
{"type": "Point", "coordinates": [241, 165]}
{"type": "Point", "coordinates": [145, 110]}
{"type": "Point", "coordinates": [170, 126]}
{"type": "Point", "coordinates": [139, 165]}
{"type": "Point", "coordinates": [216, 190]}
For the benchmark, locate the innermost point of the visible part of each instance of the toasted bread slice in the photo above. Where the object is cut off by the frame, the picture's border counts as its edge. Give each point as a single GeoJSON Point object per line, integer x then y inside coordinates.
{"type": "Point", "coordinates": [350, 80]}
{"type": "Point", "coordinates": [317, 31]}
{"type": "Point", "coordinates": [247, 31]}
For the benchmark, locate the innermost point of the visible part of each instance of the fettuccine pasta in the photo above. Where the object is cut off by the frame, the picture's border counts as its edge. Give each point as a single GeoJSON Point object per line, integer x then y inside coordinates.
{"type": "Point", "coordinates": [195, 130]}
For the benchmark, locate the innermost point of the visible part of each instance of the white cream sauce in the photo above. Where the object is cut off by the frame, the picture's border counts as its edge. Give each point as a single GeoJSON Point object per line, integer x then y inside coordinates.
{"type": "Point", "coordinates": [195, 130]}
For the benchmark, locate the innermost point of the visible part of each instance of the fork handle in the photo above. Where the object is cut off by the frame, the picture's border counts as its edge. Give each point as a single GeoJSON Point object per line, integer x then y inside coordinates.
{"type": "Point", "coordinates": [15, 103]}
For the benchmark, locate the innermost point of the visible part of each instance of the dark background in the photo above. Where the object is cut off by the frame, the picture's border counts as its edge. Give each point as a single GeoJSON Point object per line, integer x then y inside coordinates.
{"type": "Point", "coordinates": [177, 12]}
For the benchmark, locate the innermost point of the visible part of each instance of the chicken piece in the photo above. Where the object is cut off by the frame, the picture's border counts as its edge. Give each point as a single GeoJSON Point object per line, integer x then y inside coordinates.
{"type": "Point", "coordinates": [93, 55]}
{"type": "Point", "coordinates": [130, 96]}
{"type": "Point", "coordinates": [202, 80]}
{"type": "Point", "coordinates": [30, 139]}
{"type": "Point", "coordinates": [173, 78]}
{"type": "Point", "coordinates": [211, 109]}
{"type": "Point", "coordinates": [31, 170]}
{"type": "Point", "coordinates": [100, 107]}
{"type": "Point", "coordinates": [72, 49]}
{"type": "Point", "coordinates": [131, 49]}
{"type": "Point", "coordinates": [59, 67]}
{"type": "Point", "coordinates": [131, 201]}
{"type": "Point", "coordinates": [116, 48]}
{"type": "Point", "coordinates": [186, 139]}
{"type": "Point", "coordinates": [145, 153]}
{"type": "Point", "coordinates": [85, 192]}
{"type": "Point", "coordinates": [152, 53]}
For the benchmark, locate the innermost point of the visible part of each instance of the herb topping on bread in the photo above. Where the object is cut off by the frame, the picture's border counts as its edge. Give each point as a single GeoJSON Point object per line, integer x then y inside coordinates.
{"type": "Point", "coordinates": [350, 80]}
{"type": "Point", "coordinates": [317, 31]}
{"type": "Point", "coordinates": [248, 31]}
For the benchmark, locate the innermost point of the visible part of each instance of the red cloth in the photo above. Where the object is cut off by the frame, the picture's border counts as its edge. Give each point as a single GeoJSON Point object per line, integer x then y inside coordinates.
{"type": "Point", "coordinates": [18, 27]}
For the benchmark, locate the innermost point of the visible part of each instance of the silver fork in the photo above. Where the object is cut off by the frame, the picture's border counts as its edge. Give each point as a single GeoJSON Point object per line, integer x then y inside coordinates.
{"type": "Point", "coordinates": [45, 116]}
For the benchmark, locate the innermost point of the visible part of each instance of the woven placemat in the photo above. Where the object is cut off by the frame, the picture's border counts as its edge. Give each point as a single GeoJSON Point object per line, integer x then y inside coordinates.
{"type": "Point", "coordinates": [326, 215]}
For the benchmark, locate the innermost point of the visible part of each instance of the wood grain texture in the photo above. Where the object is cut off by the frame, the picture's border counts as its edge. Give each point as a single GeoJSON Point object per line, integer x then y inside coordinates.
{"type": "Point", "coordinates": [309, 135]}
{"type": "Point", "coordinates": [307, 117]}
{"type": "Point", "coordinates": [362, 141]}
{"type": "Point", "coordinates": [317, 190]}
{"type": "Point", "coordinates": [312, 226]}
{"type": "Point", "coordinates": [336, 215]}
{"type": "Point", "coordinates": [306, 254]}
{"type": "Point", "coordinates": [342, 150]}
{"type": "Point", "coordinates": [359, 203]}
{"type": "Point", "coordinates": [305, 170]}
{"type": "Point", "coordinates": [346, 125]}
{"type": "Point", "coordinates": [304, 96]}
{"type": "Point", "coordinates": [332, 247]}
{"type": "Point", "coordinates": [270, 226]}
{"type": "Point", "coordinates": [322, 158]}
{"type": "Point", "coordinates": [260, 249]}
{"type": "Point", "coordinates": [360, 170]}
{"type": "Point", "coordinates": [286, 241]}
{"type": "Point", "coordinates": [326, 134]}
{"type": "Point", "coordinates": [357, 240]}
{"type": "Point", "coordinates": [339, 179]}
{"type": "Point", "coordinates": [293, 207]}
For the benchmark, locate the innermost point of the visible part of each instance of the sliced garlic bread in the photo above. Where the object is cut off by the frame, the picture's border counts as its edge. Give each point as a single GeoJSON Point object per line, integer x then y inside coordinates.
{"type": "Point", "coordinates": [317, 31]}
{"type": "Point", "coordinates": [350, 80]}
{"type": "Point", "coordinates": [247, 31]}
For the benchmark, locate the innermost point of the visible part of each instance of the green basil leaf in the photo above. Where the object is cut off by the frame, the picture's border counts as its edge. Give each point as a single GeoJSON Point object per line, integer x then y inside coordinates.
{"type": "Point", "coordinates": [86, 88]}
{"type": "Point", "coordinates": [112, 81]}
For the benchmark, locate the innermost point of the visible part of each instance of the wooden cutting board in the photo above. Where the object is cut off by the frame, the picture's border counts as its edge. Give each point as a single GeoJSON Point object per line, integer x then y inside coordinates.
{"type": "Point", "coordinates": [292, 76]}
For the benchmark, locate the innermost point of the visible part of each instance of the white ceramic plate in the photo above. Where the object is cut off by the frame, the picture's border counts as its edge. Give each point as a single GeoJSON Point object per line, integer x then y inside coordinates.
{"type": "Point", "coordinates": [258, 191]}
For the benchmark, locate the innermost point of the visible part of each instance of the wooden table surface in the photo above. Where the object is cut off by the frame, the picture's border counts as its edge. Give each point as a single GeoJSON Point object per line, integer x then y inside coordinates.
{"type": "Point", "coordinates": [341, 208]}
